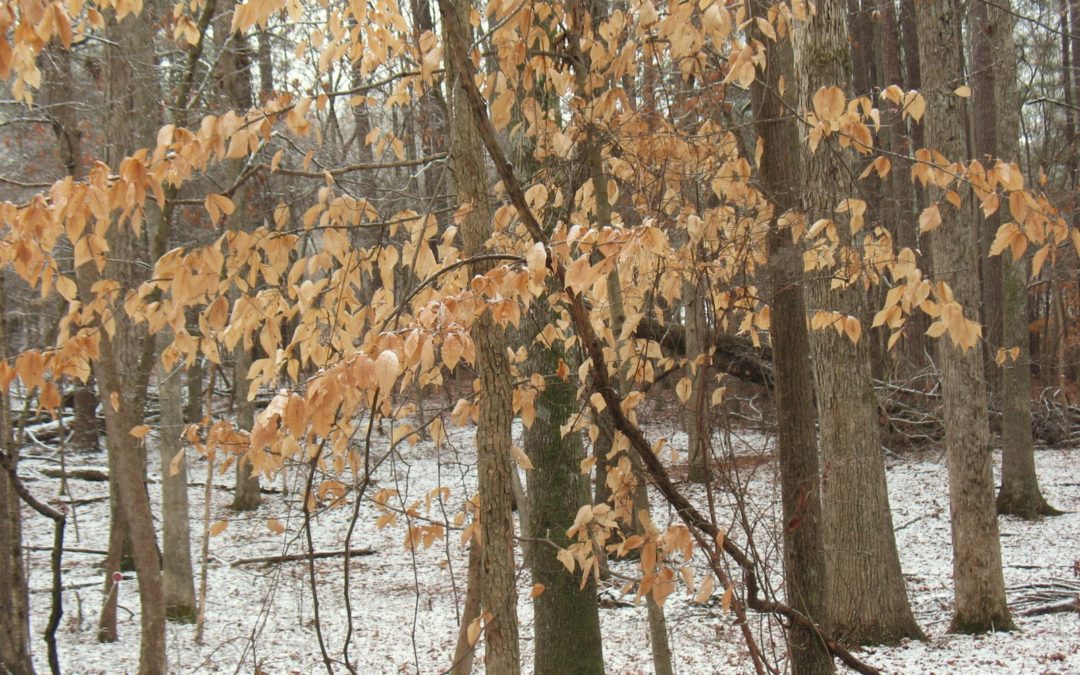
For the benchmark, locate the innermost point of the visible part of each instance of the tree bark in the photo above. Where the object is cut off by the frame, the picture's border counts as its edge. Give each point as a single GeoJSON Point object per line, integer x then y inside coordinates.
{"type": "Point", "coordinates": [464, 651]}
{"type": "Point", "coordinates": [699, 357]}
{"type": "Point", "coordinates": [866, 601]}
{"type": "Point", "coordinates": [15, 655]}
{"type": "Point", "coordinates": [178, 579]}
{"type": "Point", "coordinates": [980, 604]}
{"type": "Point", "coordinates": [804, 558]}
{"type": "Point", "coordinates": [1019, 494]}
{"type": "Point", "coordinates": [986, 147]}
{"type": "Point", "coordinates": [123, 367]}
{"type": "Point", "coordinates": [498, 592]}
{"type": "Point", "coordinates": [567, 619]}
{"type": "Point", "coordinates": [236, 64]}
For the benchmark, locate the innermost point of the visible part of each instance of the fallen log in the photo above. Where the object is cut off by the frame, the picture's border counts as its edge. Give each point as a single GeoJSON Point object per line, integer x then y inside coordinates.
{"type": "Point", "coordinates": [93, 475]}
{"type": "Point", "coordinates": [292, 557]}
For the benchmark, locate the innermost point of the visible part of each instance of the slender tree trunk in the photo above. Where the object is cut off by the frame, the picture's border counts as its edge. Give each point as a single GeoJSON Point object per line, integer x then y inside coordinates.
{"type": "Point", "coordinates": [59, 93]}
{"type": "Point", "coordinates": [178, 579]}
{"type": "Point", "coordinates": [696, 419]}
{"type": "Point", "coordinates": [985, 116]}
{"type": "Point", "coordinates": [1074, 73]}
{"type": "Point", "coordinates": [804, 558]}
{"type": "Point", "coordinates": [498, 592]}
{"type": "Point", "coordinates": [1019, 493]}
{"type": "Point", "coordinates": [866, 600]}
{"type": "Point", "coordinates": [901, 215]}
{"type": "Point", "coordinates": [464, 651]}
{"type": "Point", "coordinates": [236, 62]}
{"type": "Point", "coordinates": [980, 588]}
{"type": "Point", "coordinates": [15, 653]}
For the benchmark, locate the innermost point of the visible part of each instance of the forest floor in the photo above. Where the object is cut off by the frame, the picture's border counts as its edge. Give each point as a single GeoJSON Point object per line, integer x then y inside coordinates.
{"type": "Point", "coordinates": [405, 604]}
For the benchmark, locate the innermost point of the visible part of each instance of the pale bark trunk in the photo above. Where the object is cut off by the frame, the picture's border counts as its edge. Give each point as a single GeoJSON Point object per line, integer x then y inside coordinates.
{"type": "Point", "coordinates": [1019, 493]}
{"type": "Point", "coordinates": [980, 588]}
{"type": "Point", "coordinates": [498, 591]}
{"type": "Point", "coordinates": [178, 580]}
{"type": "Point", "coordinates": [804, 558]}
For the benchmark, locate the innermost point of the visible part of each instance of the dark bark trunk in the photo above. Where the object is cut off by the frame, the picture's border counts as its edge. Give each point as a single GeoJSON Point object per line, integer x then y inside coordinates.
{"type": "Point", "coordinates": [15, 655]}
{"type": "Point", "coordinates": [985, 123]}
{"type": "Point", "coordinates": [567, 620]}
{"type": "Point", "coordinates": [804, 557]}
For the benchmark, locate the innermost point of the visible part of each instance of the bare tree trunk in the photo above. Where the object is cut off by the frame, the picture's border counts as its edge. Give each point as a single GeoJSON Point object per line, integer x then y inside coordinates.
{"type": "Point", "coordinates": [696, 419]}
{"type": "Point", "coordinates": [567, 621]}
{"type": "Point", "coordinates": [235, 65]}
{"type": "Point", "coordinates": [15, 653]}
{"type": "Point", "coordinates": [498, 591]}
{"type": "Point", "coordinates": [465, 650]}
{"type": "Point", "coordinates": [980, 588]}
{"type": "Point", "coordinates": [984, 111]}
{"type": "Point", "coordinates": [804, 556]}
{"type": "Point", "coordinates": [178, 580]}
{"type": "Point", "coordinates": [1019, 493]}
{"type": "Point", "coordinates": [59, 93]}
{"type": "Point", "coordinates": [126, 357]}
{"type": "Point", "coordinates": [866, 600]}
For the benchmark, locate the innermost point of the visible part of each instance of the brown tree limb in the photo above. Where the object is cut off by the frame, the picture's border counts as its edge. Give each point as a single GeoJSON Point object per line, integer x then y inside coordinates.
{"type": "Point", "coordinates": [293, 557]}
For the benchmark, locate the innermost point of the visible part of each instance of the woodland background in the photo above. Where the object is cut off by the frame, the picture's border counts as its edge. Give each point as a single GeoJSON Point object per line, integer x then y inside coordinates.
{"type": "Point", "coordinates": [720, 311]}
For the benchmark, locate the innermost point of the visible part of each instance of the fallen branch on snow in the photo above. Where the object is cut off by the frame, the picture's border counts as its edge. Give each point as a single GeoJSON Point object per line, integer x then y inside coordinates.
{"type": "Point", "coordinates": [292, 557]}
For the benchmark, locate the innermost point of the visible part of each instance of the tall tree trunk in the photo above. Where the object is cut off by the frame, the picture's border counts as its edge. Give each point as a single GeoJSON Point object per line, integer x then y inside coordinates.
{"type": "Point", "coordinates": [984, 112]}
{"type": "Point", "coordinates": [236, 63]}
{"type": "Point", "coordinates": [178, 579]}
{"type": "Point", "coordinates": [804, 558]}
{"type": "Point", "coordinates": [901, 216]}
{"type": "Point", "coordinates": [498, 592]}
{"type": "Point", "coordinates": [123, 367]}
{"type": "Point", "coordinates": [980, 588]}
{"type": "Point", "coordinates": [59, 93]}
{"type": "Point", "coordinates": [866, 600]}
{"type": "Point", "coordinates": [15, 653]}
{"type": "Point", "coordinates": [567, 620]}
{"type": "Point", "coordinates": [1019, 493]}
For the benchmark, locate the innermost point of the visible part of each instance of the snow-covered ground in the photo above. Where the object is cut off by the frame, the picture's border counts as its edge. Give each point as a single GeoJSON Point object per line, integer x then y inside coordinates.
{"type": "Point", "coordinates": [405, 604]}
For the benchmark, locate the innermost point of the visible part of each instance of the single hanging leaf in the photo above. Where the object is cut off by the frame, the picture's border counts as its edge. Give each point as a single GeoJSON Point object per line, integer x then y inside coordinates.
{"type": "Point", "coordinates": [706, 589]}
{"type": "Point", "coordinates": [930, 219]}
{"type": "Point", "coordinates": [387, 368]}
